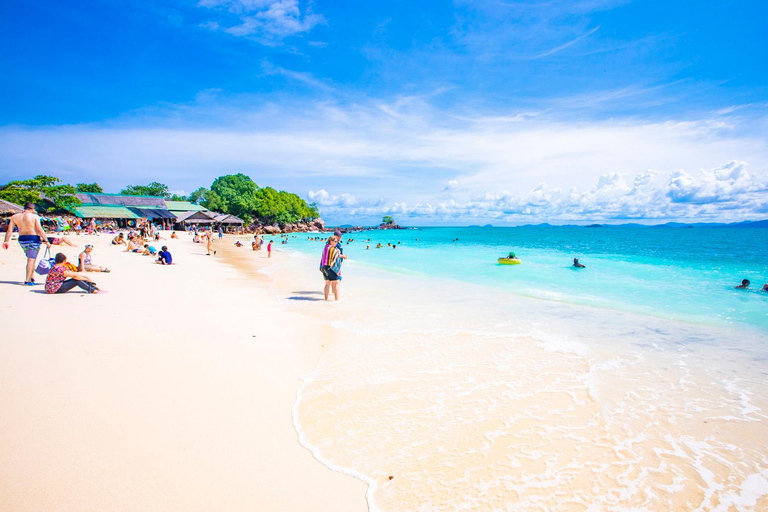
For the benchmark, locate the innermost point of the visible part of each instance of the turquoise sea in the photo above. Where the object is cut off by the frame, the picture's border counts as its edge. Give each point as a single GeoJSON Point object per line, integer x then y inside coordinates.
{"type": "Point", "coordinates": [676, 273]}
{"type": "Point", "coordinates": [636, 383]}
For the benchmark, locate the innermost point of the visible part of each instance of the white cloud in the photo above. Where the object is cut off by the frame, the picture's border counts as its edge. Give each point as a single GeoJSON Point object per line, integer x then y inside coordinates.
{"type": "Point", "coordinates": [654, 196]}
{"type": "Point", "coordinates": [268, 21]}
{"type": "Point", "coordinates": [323, 198]}
{"type": "Point", "coordinates": [405, 156]}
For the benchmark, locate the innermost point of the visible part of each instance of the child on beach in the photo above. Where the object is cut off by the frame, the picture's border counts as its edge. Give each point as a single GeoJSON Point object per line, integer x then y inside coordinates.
{"type": "Point", "coordinates": [164, 257]}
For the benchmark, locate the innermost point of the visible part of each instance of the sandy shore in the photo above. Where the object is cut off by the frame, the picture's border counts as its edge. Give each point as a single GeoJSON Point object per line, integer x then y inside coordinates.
{"type": "Point", "coordinates": [172, 391]}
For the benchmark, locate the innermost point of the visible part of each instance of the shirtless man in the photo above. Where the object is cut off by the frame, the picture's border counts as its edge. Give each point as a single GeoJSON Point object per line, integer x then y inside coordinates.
{"type": "Point", "coordinates": [31, 235]}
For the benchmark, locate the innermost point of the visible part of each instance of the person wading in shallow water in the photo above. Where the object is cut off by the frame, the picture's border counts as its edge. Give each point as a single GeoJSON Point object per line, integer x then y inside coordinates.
{"type": "Point", "coordinates": [31, 235]}
{"type": "Point", "coordinates": [330, 264]}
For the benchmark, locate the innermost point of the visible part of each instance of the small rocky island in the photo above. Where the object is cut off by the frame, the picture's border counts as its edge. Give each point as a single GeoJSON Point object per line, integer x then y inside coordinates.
{"type": "Point", "coordinates": [386, 223]}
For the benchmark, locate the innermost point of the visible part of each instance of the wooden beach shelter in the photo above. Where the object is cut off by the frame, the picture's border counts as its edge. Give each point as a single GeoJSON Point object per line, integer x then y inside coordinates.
{"type": "Point", "coordinates": [229, 222]}
{"type": "Point", "coordinates": [201, 219]}
{"type": "Point", "coordinates": [124, 209]}
{"type": "Point", "coordinates": [8, 208]}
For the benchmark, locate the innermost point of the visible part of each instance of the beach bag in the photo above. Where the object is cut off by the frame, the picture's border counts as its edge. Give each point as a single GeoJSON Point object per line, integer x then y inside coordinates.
{"type": "Point", "coordinates": [46, 264]}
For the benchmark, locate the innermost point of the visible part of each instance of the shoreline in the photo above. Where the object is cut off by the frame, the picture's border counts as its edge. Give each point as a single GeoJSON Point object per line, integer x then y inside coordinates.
{"type": "Point", "coordinates": [158, 394]}
{"type": "Point", "coordinates": [616, 399]}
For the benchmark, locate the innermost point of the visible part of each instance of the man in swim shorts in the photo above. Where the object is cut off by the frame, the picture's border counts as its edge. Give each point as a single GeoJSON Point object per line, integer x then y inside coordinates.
{"type": "Point", "coordinates": [31, 235]}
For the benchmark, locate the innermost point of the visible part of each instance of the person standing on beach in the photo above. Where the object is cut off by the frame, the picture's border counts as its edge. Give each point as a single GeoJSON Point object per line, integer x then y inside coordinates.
{"type": "Point", "coordinates": [269, 249]}
{"type": "Point", "coordinates": [209, 242]}
{"type": "Point", "coordinates": [31, 235]}
{"type": "Point", "coordinates": [330, 264]}
{"type": "Point", "coordinates": [221, 233]}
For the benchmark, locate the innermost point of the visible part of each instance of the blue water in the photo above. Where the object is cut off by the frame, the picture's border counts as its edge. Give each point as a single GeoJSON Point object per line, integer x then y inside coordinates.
{"type": "Point", "coordinates": [684, 274]}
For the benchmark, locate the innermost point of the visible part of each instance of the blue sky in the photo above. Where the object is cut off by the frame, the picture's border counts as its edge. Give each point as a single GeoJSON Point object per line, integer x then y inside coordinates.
{"type": "Point", "coordinates": [435, 112]}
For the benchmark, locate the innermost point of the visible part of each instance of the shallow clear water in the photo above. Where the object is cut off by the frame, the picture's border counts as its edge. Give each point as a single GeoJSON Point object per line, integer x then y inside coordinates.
{"type": "Point", "coordinates": [675, 273]}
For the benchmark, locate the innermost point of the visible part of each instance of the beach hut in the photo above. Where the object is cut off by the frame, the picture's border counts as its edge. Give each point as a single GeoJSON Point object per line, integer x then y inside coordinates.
{"type": "Point", "coordinates": [8, 208]}
{"type": "Point", "coordinates": [124, 209]}
{"type": "Point", "coordinates": [201, 219]}
{"type": "Point", "coordinates": [229, 222]}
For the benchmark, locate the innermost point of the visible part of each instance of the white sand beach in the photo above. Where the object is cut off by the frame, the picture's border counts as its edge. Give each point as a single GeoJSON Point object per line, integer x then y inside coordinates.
{"type": "Point", "coordinates": [171, 391]}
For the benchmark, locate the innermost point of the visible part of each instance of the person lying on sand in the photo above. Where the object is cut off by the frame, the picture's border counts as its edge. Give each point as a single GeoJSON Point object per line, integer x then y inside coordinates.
{"type": "Point", "coordinates": [84, 263]}
{"type": "Point", "coordinates": [61, 280]}
{"type": "Point", "coordinates": [61, 241]}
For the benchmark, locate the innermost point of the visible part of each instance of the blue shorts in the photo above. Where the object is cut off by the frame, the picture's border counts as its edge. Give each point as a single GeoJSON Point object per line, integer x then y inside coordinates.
{"type": "Point", "coordinates": [30, 244]}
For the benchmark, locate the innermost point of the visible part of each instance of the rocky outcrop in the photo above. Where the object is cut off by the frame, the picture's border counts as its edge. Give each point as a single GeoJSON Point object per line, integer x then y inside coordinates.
{"type": "Point", "coordinates": [276, 229]}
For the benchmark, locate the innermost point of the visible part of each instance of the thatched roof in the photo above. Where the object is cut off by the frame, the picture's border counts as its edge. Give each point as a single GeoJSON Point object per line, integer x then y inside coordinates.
{"type": "Point", "coordinates": [9, 208]}
{"type": "Point", "coordinates": [121, 200]}
{"type": "Point", "coordinates": [196, 217]}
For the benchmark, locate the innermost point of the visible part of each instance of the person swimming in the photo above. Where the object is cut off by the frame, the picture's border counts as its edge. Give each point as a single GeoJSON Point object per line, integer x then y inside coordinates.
{"type": "Point", "coordinates": [576, 263]}
{"type": "Point", "coordinates": [744, 285]}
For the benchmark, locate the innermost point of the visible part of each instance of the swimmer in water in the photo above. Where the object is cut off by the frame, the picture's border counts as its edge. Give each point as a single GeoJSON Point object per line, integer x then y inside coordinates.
{"type": "Point", "coordinates": [576, 263]}
{"type": "Point", "coordinates": [744, 285]}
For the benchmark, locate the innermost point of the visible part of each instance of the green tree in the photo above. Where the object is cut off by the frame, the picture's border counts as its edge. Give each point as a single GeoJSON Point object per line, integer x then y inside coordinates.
{"type": "Point", "coordinates": [176, 197]}
{"type": "Point", "coordinates": [198, 196]}
{"type": "Point", "coordinates": [153, 189]}
{"type": "Point", "coordinates": [22, 191]}
{"type": "Point", "coordinates": [237, 194]}
{"type": "Point", "coordinates": [89, 188]}
{"type": "Point", "coordinates": [387, 220]}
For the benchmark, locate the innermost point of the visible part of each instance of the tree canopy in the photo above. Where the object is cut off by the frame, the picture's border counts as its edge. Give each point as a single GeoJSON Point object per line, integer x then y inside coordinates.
{"type": "Point", "coordinates": [23, 191]}
{"type": "Point", "coordinates": [387, 220]}
{"type": "Point", "coordinates": [237, 194]}
{"type": "Point", "coordinates": [153, 189]}
{"type": "Point", "coordinates": [89, 188]}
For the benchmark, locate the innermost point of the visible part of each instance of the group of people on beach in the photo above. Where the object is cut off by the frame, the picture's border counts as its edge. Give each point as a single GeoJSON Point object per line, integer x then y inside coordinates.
{"type": "Point", "coordinates": [62, 275]}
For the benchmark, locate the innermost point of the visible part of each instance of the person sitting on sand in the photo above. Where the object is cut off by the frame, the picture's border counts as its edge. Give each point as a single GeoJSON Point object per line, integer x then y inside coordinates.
{"type": "Point", "coordinates": [744, 284]}
{"type": "Point", "coordinates": [61, 280]}
{"type": "Point", "coordinates": [576, 263]}
{"type": "Point", "coordinates": [238, 244]}
{"type": "Point", "coordinates": [61, 241]}
{"type": "Point", "coordinates": [196, 239]}
{"type": "Point", "coordinates": [173, 234]}
{"type": "Point", "coordinates": [133, 245]}
{"type": "Point", "coordinates": [148, 250]}
{"type": "Point", "coordinates": [164, 257]}
{"type": "Point", "coordinates": [84, 263]}
{"type": "Point", "coordinates": [119, 240]}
